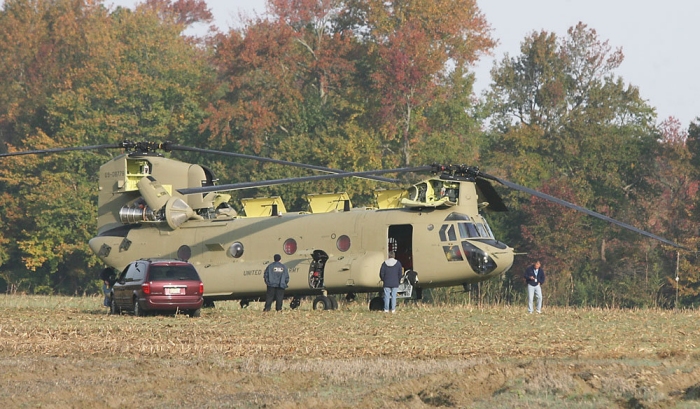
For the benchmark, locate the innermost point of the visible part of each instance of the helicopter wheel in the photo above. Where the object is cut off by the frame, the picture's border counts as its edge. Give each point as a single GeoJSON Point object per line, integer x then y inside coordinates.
{"type": "Point", "coordinates": [334, 303]}
{"type": "Point", "coordinates": [295, 303]}
{"type": "Point", "coordinates": [244, 303]}
{"type": "Point", "coordinates": [350, 297]}
{"type": "Point", "coordinates": [376, 304]}
{"type": "Point", "coordinates": [323, 303]}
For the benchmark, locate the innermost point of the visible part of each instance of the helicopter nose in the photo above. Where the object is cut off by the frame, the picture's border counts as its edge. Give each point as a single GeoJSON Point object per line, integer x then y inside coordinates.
{"type": "Point", "coordinates": [479, 260]}
{"type": "Point", "coordinates": [492, 258]}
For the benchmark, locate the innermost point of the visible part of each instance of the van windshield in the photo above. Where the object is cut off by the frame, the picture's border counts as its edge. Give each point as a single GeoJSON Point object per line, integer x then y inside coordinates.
{"type": "Point", "coordinates": [171, 273]}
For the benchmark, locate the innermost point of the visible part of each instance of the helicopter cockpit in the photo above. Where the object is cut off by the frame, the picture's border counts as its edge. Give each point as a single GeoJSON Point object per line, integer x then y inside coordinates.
{"type": "Point", "coordinates": [458, 236]}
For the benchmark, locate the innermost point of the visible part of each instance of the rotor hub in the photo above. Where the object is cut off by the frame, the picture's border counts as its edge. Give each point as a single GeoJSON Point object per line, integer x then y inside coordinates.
{"type": "Point", "coordinates": [457, 172]}
{"type": "Point", "coordinates": [145, 148]}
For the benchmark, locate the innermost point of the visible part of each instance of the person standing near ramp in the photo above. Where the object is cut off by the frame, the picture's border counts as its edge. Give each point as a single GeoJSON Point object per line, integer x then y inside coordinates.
{"type": "Point", "coordinates": [390, 273]}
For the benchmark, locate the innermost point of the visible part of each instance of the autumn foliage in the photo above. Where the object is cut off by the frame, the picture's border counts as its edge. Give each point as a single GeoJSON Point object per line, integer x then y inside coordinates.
{"type": "Point", "coordinates": [353, 85]}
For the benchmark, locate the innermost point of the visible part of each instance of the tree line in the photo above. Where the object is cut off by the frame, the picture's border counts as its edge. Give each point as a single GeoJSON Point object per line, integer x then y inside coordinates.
{"type": "Point", "coordinates": [356, 85]}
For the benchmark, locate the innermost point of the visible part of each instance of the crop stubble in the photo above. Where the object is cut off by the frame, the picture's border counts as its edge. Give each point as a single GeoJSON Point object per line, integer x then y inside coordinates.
{"type": "Point", "coordinates": [63, 351]}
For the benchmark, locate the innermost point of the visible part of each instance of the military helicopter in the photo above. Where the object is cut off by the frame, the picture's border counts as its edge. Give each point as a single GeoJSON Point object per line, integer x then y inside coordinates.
{"type": "Point", "coordinates": [151, 206]}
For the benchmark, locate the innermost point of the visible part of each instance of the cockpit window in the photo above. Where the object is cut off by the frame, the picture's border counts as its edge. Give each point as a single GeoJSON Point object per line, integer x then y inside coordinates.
{"type": "Point", "coordinates": [482, 231]}
{"type": "Point", "coordinates": [447, 231]}
{"type": "Point", "coordinates": [453, 253]}
{"type": "Point", "coordinates": [467, 230]}
{"type": "Point", "coordinates": [457, 216]}
{"type": "Point", "coordinates": [488, 229]}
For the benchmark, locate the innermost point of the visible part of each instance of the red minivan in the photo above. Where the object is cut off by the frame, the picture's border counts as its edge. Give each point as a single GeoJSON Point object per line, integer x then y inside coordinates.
{"type": "Point", "coordinates": [147, 286]}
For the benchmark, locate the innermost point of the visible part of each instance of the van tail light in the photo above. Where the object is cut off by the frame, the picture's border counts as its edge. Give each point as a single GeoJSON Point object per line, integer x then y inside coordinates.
{"type": "Point", "coordinates": [201, 288]}
{"type": "Point", "coordinates": [146, 288]}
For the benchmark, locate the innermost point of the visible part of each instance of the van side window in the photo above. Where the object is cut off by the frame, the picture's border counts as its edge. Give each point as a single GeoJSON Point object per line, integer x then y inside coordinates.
{"type": "Point", "coordinates": [136, 272]}
{"type": "Point", "coordinates": [122, 275]}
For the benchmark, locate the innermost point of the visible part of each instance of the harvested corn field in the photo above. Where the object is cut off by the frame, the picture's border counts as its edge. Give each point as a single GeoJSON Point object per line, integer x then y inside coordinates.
{"type": "Point", "coordinates": [67, 351]}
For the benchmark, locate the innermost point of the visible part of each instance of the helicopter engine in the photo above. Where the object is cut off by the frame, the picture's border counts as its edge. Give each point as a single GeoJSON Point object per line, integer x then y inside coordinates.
{"type": "Point", "coordinates": [156, 205]}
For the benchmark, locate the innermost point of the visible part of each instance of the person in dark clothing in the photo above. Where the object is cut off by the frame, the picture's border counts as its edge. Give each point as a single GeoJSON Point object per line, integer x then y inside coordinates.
{"type": "Point", "coordinates": [108, 277]}
{"type": "Point", "coordinates": [276, 278]}
{"type": "Point", "coordinates": [534, 277]}
{"type": "Point", "coordinates": [390, 273]}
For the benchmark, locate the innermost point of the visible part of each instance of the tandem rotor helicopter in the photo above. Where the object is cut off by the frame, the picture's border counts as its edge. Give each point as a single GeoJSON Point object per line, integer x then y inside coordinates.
{"type": "Point", "coordinates": [150, 206]}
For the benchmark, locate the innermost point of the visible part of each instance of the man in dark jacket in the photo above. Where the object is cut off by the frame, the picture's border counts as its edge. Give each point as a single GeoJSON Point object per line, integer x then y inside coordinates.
{"type": "Point", "coordinates": [390, 273]}
{"type": "Point", "coordinates": [534, 277]}
{"type": "Point", "coordinates": [276, 278]}
{"type": "Point", "coordinates": [108, 277]}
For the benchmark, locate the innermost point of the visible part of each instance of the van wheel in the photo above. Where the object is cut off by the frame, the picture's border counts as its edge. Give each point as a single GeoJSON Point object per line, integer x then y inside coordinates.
{"type": "Point", "coordinates": [196, 313]}
{"type": "Point", "coordinates": [113, 309]}
{"type": "Point", "coordinates": [138, 311]}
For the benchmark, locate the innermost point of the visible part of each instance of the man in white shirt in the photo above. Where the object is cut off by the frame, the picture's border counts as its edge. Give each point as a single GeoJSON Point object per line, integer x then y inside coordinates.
{"type": "Point", "coordinates": [534, 277]}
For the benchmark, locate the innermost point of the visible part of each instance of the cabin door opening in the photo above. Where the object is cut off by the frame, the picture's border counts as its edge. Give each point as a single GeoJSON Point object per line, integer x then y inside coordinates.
{"type": "Point", "coordinates": [401, 243]}
{"type": "Point", "coordinates": [317, 267]}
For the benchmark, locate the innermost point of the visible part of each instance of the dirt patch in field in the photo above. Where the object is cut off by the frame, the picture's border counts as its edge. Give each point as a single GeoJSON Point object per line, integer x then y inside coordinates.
{"type": "Point", "coordinates": [385, 383]}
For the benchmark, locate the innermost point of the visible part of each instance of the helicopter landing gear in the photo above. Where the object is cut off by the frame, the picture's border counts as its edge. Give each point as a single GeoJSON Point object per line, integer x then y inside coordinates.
{"type": "Point", "coordinates": [350, 297]}
{"type": "Point", "coordinates": [244, 303]}
{"type": "Point", "coordinates": [295, 303]}
{"type": "Point", "coordinates": [323, 302]}
{"type": "Point", "coordinates": [376, 304]}
{"type": "Point", "coordinates": [419, 293]}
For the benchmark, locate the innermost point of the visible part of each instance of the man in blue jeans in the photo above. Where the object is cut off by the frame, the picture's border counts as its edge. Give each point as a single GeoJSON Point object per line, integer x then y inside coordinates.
{"type": "Point", "coordinates": [390, 274]}
{"type": "Point", "coordinates": [534, 277]}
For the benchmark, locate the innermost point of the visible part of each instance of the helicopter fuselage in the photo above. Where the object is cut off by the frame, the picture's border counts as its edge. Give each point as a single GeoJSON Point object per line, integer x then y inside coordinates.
{"type": "Point", "coordinates": [141, 215]}
{"type": "Point", "coordinates": [231, 254]}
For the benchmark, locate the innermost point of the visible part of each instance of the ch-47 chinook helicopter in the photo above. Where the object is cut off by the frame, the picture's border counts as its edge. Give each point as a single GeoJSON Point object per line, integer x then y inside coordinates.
{"type": "Point", "coordinates": [151, 206]}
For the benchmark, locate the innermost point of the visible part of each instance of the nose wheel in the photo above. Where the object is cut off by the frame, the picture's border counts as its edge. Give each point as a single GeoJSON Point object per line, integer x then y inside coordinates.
{"type": "Point", "coordinates": [376, 304]}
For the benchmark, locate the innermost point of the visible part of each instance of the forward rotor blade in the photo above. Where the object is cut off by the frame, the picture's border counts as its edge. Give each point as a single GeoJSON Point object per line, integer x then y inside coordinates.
{"type": "Point", "coordinates": [270, 160]}
{"type": "Point", "coordinates": [492, 197]}
{"type": "Point", "coordinates": [262, 183]}
{"type": "Point", "coordinates": [581, 209]}
{"type": "Point", "coordinates": [57, 150]}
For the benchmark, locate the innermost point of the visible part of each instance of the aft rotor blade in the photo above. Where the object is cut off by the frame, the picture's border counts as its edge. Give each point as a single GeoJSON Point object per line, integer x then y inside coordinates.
{"type": "Point", "coordinates": [270, 160]}
{"type": "Point", "coordinates": [580, 209]}
{"type": "Point", "coordinates": [57, 150]}
{"type": "Point", "coordinates": [262, 183]}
